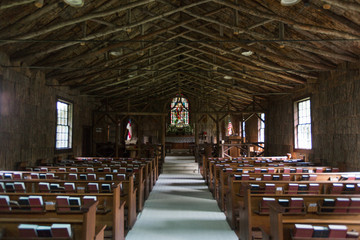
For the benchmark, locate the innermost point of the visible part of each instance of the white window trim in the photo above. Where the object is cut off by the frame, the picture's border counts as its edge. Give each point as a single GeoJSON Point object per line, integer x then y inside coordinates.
{"type": "Point", "coordinates": [296, 124]}
{"type": "Point", "coordinates": [70, 125]}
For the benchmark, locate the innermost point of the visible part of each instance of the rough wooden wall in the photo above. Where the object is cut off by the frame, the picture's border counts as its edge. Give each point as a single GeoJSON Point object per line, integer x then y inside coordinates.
{"type": "Point", "coordinates": [28, 116]}
{"type": "Point", "coordinates": [335, 116]}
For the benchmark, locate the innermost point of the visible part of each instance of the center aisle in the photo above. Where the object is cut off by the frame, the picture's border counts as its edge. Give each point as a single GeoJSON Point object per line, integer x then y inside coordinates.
{"type": "Point", "coordinates": [180, 207]}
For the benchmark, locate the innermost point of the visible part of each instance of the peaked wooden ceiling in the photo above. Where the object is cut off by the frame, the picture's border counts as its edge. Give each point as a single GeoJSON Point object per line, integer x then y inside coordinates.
{"type": "Point", "coordinates": [150, 50]}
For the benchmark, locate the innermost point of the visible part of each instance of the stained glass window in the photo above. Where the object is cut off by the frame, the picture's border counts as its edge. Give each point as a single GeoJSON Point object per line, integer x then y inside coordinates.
{"type": "Point", "coordinates": [180, 111]}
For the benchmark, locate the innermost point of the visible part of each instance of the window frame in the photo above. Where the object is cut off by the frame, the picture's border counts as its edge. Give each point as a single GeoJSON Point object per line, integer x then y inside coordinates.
{"type": "Point", "coordinates": [261, 122]}
{"type": "Point", "coordinates": [70, 121]}
{"type": "Point", "coordinates": [296, 124]}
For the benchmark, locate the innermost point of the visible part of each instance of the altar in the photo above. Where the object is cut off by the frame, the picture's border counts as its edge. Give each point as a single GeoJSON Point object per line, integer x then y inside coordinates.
{"type": "Point", "coordinates": [180, 142]}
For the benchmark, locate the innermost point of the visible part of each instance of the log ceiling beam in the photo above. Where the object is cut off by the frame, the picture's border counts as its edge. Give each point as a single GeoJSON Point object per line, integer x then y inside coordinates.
{"type": "Point", "coordinates": [115, 30]}
{"type": "Point", "coordinates": [5, 4]}
{"type": "Point", "coordinates": [289, 21]}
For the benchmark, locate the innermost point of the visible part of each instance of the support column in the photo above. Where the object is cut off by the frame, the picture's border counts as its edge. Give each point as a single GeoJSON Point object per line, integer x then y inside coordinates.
{"type": "Point", "coordinates": [163, 134]}
{"type": "Point", "coordinates": [117, 139]}
{"type": "Point", "coordinates": [218, 135]}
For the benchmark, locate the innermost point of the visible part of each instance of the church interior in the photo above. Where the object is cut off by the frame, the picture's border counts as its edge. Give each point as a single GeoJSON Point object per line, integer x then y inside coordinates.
{"type": "Point", "coordinates": [179, 119]}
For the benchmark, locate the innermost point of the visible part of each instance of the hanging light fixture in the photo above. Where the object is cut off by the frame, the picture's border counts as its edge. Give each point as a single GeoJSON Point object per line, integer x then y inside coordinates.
{"type": "Point", "coordinates": [247, 53]}
{"type": "Point", "coordinates": [75, 3]}
{"type": "Point", "coordinates": [289, 2]}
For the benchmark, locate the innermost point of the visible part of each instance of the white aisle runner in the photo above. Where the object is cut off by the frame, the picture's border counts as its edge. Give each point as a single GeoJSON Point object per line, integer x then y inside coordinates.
{"type": "Point", "coordinates": [180, 207]}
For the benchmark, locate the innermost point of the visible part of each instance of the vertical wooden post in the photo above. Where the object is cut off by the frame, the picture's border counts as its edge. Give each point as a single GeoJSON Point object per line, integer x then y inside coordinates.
{"type": "Point", "coordinates": [117, 139]}
{"type": "Point", "coordinates": [163, 134]}
{"type": "Point", "coordinates": [218, 135]}
{"type": "Point", "coordinates": [140, 137]}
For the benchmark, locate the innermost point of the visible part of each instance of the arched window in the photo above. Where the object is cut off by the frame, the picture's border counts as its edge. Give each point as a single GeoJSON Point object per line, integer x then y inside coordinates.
{"type": "Point", "coordinates": [179, 111]}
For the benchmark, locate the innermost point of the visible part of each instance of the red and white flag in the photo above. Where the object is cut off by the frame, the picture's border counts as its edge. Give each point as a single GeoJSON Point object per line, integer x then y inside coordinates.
{"type": "Point", "coordinates": [128, 127]}
{"type": "Point", "coordinates": [230, 128]}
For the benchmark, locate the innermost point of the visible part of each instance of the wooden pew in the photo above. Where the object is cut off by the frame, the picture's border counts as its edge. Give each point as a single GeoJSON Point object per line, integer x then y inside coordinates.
{"type": "Point", "coordinates": [83, 223]}
{"type": "Point", "coordinates": [114, 219]}
{"type": "Point", "coordinates": [251, 216]}
{"type": "Point", "coordinates": [235, 194]}
{"type": "Point", "coordinates": [282, 224]}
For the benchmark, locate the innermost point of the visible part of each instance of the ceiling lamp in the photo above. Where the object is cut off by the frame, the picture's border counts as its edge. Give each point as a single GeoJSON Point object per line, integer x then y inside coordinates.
{"type": "Point", "coordinates": [116, 53]}
{"type": "Point", "coordinates": [247, 54]}
{"type": "Point", "coordinates": [227, 77]}
{"type": "Point", "coordinates": [75, 3]}
{"type": "Point", "coordinates": [289, 2]}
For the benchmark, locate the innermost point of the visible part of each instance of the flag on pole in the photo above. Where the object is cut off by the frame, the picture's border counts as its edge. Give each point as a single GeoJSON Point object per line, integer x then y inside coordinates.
{"type": "Point", "coordinates": [129, 128]}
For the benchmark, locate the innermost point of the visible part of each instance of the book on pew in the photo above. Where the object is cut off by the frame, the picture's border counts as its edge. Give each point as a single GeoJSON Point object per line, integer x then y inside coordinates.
{"type": "Point", "coordinates": [89, 199]}
{"type": "Point", "coordinates": [91, 177]}
{"type": "Point", "coordinates": [349, 188]}
{"type": "Point", "coordinates": [28, 230]}
{"type": "Point", "coordinates": [2, 187]}
{"type": "Point", "coordinates": [62, 203]}
{"type": "Point", "coordinates": [69, 187]}
{"type": "Point", "coordinates": [61, 230]}
{"type": "Point", "coordinates": [245, 176]}
{"type": "Point", "coordinates": [351, 177]}
{"type": "Point", "coordinates": [108, 177]}
{"type": "Point", "coordinates": [10, 187]}
{"type": "Point", "coordinates": [5, 203]}
{"type": "Point", "coordinates": [24, 203]}
{"type": "Point", "coordinates": [276, 177]}
{"type": "Point", "coordinates": [17, 176]}
{"type": "Point", "coordinates": [302, 189]}
{"type": "Point", "coordinates": [72, 176]}
{"type": "Point", "coordinates": [283, 202]}
{"type": "Point", "coordinates": [44, 231]}
{"type": "Point", "coordinates": [44, 187]}
{"type": "Point", "coordinates": [336, 188]}
{"type": "Point", "coordinates": [292, 170]}
{"type": "Point", "coordinates": [90, 170]}
{"type": "Point", "coordinates": [337, 231]}
{"type": "Point", "coordinates": [50, 175]}
{"type": "Point", "coordinates": [254, 188]}
{"type": "Point", "coordinates": [73, 170]}
{"type": "Point", "coordinates": [264, 207]}
{"type": "Point", "coordinates": [303, 231]}
{"type": "Point", "coordinates": [354, 206]}
{"type": "Point", "coordinates": [328, 202]}
{"type": "Point", "coordinates": [105, 188]}
{"type": "Point", "coordinates": [43, 169]}
{"type": "Point", "coordinates": [312, 177]}
{"type": "Point", "coordinates": [93, 187]}
{"type": "Point", "coordinates": [75, 203]}
{"type": "Point", "coordinates": [271, 170]}
{"type": "Point", "coordinates": [115, 170]}
{"type": "Point", "coordinates": [55, 187]}
{"type": "Point", "coordinates": [267, 177]}
{"type": "Point", "coordinates": [320, 232]}
{"type": "Point", "coordinates": [257, 170]}
{"type": "Point", "coordinates": [8, 176]}
{"type": "Point", "coordinates": [296, 205]}
{"type": "Point", "coordinates": [122, 170]}
{"type": "Point", "coordinates": [319, 170]}
{"type": "Point", "coordinates": [36, 203]}
{"type": "Point", "coordinates": [61, 170]}
{"type": "Point", "coordinates": [269, 188]}
{"type": "Point", "coordinates": [305, 170]}
{"type": "Point", "coordinates": [19, 187]}
{"type": "Point", "coordinates": [34, 176]}
{"type": "Point", "coordinates": [293, 188]}
{"type": "Point", "coordinates": [305, 177]}
{"type": "Point", "coordinates": [239, 170]}
{"type": "Point", "coordinates": [352, 234]}
{"type": "Point", "coordinates": [341, 205]}
{"type": "Point", "coordinates": [129, 170]}
{"type": "Point", "coordinates": [314, 188]}
{"type": "Point", "coordinates": [42, 176]}
{"type": "Point", "coordinates": [335, 170]}
{"type": "Point", "coordinates": [121, 176]}
{"type": "Point", "coordinates": [83, 177]}
{"type": "Point", "coordinates": [107, 169]}
{"type": "Point", "coordinates": [286, 177]}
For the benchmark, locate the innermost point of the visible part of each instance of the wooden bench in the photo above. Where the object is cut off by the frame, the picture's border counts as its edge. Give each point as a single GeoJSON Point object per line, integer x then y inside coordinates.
{"type": "Point", "coordinates": [83, 222]}
{"type": "Point", "coordinates": [253, 213]}
{"type": "Point", "coordinates": [282, 224]}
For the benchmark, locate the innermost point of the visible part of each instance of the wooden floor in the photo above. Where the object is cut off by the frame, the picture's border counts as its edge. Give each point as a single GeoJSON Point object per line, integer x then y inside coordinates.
{"type": "Point", "coordinates": [180, 207]}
